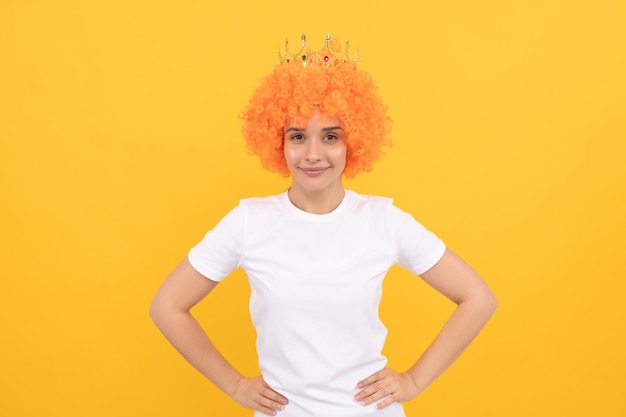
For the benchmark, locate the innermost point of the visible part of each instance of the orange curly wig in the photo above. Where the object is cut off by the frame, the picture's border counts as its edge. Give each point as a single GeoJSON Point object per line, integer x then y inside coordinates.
{"type": "Point", "coordinates": [294, 91]}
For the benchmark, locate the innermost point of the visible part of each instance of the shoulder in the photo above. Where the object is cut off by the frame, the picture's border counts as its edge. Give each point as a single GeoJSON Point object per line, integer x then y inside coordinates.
{"type": "Point", "coordinates": [263, 206]}
{"type": "Point", "coordinates": [267, 202]}
{"type": "Point", "coordinates": [249, 208]}
{"type": "Point", "coordinates": [374, 205]}
{"type": "Point", "coordinates": [263, 210]}
{"type": "Point", "coordinates": [368, 201]}
{"type": "Point", "coordinates": [383, 208]}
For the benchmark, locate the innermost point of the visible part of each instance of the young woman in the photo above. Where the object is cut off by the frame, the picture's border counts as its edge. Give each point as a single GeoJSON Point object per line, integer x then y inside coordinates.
{"type": "Point", "coordinates": [316, 256]}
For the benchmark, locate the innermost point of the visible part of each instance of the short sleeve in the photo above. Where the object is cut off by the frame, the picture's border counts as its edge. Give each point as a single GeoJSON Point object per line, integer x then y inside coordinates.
{"type": "Point", "coordinates": [219, 252]}
{"type": "Point", "coordinates": [417, 248]}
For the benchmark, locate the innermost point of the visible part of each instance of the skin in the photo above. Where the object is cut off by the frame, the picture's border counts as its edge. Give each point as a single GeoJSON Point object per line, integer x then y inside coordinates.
{"type": "Point", "coordinates": [316, 156]}
{"type": "Point", "coordinates": [457, 281]}
{"type": "Point", "coordinates": [170, 311]}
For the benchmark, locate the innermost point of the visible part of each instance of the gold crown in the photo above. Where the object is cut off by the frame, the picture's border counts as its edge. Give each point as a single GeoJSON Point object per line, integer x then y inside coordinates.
{"type": "Point", "coordinates": [331, 54]}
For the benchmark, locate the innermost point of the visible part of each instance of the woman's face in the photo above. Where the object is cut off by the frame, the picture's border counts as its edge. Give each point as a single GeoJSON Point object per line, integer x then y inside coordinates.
{"type": "Point", "coordinates": [316, 154]}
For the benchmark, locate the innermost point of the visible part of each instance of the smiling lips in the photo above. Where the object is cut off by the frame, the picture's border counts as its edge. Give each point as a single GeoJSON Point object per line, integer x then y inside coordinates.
{"type": "Point", "coordinates": [314, 171]}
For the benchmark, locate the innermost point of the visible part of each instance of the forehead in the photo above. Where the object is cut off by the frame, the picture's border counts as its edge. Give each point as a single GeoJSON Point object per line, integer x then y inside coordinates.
{"type": "Point", "coordinates": [316, 120]}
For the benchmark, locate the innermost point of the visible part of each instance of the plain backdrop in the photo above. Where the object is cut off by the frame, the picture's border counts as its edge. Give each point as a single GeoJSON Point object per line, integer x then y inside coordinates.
{"type": "Point", "coordinates": [120, 147]}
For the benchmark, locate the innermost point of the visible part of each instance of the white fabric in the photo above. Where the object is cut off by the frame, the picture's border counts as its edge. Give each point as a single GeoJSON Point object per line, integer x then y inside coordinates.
{"type": "Point", "coordinates": [316, 285]}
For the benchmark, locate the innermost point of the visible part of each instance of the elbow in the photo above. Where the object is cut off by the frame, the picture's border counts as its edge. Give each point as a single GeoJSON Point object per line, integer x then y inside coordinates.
{"type": "Point", "coordinates": [483, 301]}
{"type": "Point", "coordinates": [489, 302]}
{"type": "Point", "coordinates": [494, 303]}
{"type": "Point", "coordinates": [157, 312]}
{"type": "Point", "coordinates": [153, 312]}
{"type": "Point", "coordinates": [163, 311]}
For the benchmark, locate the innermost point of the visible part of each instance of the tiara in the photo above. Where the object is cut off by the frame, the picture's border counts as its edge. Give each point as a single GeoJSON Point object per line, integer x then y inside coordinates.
{"type": "Point", "coordinates": [330, 55]}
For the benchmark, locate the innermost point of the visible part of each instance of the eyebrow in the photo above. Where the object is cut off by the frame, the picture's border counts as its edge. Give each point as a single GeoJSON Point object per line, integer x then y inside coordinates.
{"type": "Point", "coordinates": [327, 129]}
{"type": "Point", "coordinates": [324, 129]}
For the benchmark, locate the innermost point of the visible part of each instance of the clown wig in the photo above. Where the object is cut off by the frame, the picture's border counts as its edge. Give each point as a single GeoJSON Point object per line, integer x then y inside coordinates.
{"type": "Point", "coordinates": [294, 91]}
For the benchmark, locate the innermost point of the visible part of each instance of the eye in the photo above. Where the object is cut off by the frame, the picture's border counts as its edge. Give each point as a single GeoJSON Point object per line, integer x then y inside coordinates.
{"type": "Point", "coordinates": [298, 137]}
{"type": "Point", "coordinates": [331, 137]}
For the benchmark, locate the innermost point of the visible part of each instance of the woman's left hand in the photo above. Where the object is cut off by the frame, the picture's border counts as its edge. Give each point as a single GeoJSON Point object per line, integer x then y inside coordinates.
{"type": "Point", "coordinates": [388, 385]}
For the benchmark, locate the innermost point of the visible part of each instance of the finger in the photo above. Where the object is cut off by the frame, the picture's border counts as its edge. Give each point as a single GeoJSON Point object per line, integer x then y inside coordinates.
{"type": "Point", "coordinates": [266, 410]}
{"type": "Point", "coordinates": [271, 404]}
{"type": "Point", "coordinates": [386, 402]}
{"type": "Point", "coordinates": [375, 392]}
{"type": "Point", "coordinates": [274, 396]}
{"type": "Point", "coordinates": [376, 376]}
{"type": "Point", "coordinates": [371, 399]}
{"type": "Point", "coordinates": [268, 406]}
{"type": "Point", "coordinates": [383, 397]}
{"type": "Point", "coordinates": [368, 391]}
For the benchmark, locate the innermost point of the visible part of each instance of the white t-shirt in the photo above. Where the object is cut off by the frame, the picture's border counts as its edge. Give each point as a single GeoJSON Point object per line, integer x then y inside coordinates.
{"type": "Point", "coordinates": [316, 285]}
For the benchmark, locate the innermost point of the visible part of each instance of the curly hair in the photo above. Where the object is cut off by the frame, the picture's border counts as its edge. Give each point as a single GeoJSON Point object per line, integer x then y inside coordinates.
{"type": "Point", "coordinates": [294, 91]}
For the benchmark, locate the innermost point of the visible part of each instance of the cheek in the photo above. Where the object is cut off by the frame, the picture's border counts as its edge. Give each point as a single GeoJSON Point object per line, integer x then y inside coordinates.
{"type": "Point", "coordinates": [291, 154]}
{"type": "Point", "coordinates": [340, 156]}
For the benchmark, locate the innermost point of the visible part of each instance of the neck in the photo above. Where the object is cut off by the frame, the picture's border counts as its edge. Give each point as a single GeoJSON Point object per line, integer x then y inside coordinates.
{"type": "Point", "coordinates": [316, 202]}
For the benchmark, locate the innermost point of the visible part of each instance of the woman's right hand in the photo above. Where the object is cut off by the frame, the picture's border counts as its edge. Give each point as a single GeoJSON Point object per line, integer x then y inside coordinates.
{"type": "Point", "coordinates": [254, 393]}
{"type": "Point", "coordinates": [170, 310]}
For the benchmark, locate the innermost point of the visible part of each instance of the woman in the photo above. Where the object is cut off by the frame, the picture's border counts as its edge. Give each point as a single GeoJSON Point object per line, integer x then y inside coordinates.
{"type": "Point", "coordinates": [316, 256]}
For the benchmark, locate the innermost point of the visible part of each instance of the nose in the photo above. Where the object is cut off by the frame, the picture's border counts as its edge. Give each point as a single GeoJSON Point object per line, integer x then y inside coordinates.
{"type": "Point", "coordinates": [312, 151]}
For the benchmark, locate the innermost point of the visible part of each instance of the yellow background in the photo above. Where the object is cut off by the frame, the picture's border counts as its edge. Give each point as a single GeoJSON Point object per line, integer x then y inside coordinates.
{"type": "Point", "coordinates": [120, 146]}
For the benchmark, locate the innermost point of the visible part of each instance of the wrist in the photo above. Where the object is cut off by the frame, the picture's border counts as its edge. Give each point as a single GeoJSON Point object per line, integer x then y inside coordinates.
{"type": "Point", "coordinates": [413, 376]}
{"type": "Point", "coordinates": [233, 386]}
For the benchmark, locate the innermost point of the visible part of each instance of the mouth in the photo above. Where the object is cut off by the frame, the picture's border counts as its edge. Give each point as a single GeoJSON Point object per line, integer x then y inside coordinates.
{"type": "Point", "coordinates": [314, 172]}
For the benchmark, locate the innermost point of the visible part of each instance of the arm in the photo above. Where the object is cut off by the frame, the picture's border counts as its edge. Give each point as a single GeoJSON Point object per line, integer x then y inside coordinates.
{"type": "Point", "coordinates": [183, 289]}
{"type": "Point", "coordinates": [456, 280]}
